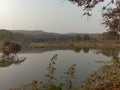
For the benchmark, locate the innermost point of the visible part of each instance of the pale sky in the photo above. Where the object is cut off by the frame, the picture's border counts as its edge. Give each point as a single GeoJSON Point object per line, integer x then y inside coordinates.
{"type": "Point", "coordinates": [47, 15]}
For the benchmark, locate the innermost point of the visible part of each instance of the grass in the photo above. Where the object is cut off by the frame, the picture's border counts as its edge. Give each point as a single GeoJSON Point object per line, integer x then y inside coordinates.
{"type": "Point", "coordinates": [77, 44]}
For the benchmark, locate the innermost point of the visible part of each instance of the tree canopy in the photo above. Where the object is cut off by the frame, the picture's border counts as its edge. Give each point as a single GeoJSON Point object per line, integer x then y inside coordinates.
{"type": "Point", "coordinates": [111, 15]}
{"type": "Point", "coordinates": [88, 5]}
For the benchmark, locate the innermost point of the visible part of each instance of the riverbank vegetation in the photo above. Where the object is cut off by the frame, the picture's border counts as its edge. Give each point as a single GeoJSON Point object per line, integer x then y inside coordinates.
{"type": "Point", "coordinates": [77, 44]}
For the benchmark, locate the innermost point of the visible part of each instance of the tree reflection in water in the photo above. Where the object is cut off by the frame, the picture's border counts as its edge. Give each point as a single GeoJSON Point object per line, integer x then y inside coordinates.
{"type": "Point", "coordinates": [8, 63]}
{"type": "Point", "coordinates": [85, 50]}
{"type": "Point", "coordinates": [77, 50]}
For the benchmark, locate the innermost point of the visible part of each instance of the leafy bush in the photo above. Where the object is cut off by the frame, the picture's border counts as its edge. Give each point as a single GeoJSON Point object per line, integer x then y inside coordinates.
{"type": "Point", "coordinates": [49, 82]}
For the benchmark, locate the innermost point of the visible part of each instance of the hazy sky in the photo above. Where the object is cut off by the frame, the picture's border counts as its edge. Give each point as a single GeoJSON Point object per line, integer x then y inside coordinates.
{"type": "Point", "coordinates": [48, 15]}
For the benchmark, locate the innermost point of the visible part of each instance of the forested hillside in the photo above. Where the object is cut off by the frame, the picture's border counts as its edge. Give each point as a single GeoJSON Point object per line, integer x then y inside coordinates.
{"type": "Point", "coordinates": [41, 36]}
{"type": "Point", "coordinates": [8, 35]}
{"type": "Point", "coordinates": [26, 36]}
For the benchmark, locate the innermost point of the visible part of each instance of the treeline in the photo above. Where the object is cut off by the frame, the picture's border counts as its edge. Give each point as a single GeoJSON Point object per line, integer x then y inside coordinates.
{"type": "Point", "coordinates": [79, 37]}
{"type": "Point", "coordinates": [6, 35]}
{"type": "Point", "coordinates": [27, 37]}
{"type": "Point", "coordinates": [110, 35]}
{"type": "Point", "coordinates": [41, 36]}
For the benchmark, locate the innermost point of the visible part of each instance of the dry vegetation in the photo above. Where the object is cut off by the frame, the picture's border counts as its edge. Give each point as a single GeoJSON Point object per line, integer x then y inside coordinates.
{"type": "Point", "coordinates": [79, 44]}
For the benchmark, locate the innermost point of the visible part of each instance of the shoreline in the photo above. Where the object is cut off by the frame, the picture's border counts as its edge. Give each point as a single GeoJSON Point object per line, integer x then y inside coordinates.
{"type": "Point", "coordinates": [77, 44]}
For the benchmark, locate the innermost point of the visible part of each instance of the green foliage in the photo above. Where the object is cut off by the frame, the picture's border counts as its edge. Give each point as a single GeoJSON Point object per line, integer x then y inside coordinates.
{"type": "Point", "coordinates": [6, 35]}
{"type": "Point", "coordinates": [77, 50]}
{"type": "Point", "coordinates": [86, 37]}
{"type": "Point", "coordinates": [86, 50]}
{"type": "Point", "coordinates": [111, 35]}
{"type": "Point", "coordinates": [77, 38]}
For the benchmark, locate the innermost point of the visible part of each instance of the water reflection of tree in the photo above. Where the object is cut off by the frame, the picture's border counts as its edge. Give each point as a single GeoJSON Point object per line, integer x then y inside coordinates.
{"type": "Point", "coordinates": [9, 54]}
{"type": "Point", "coordinates": [105, 78]}
{"type": "Point", "coordinates": [85, 50]}
{"type": "Point", "coordinates": [5, 63]}
{"type": "Point", "coordinates": [77, 50]}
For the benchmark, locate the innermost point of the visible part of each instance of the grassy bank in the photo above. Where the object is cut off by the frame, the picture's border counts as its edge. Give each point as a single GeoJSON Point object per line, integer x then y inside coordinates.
{"type": "Point", "coordinates": [78, 44]}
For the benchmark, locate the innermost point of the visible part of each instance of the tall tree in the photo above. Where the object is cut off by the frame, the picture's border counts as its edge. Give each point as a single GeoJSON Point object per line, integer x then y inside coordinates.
{"type": "Point", "coordinates": [111, 18]}
{"type": "Point", "coordinates": [88, 5]}
{"type": "Point", "coordinates": [86, 37]}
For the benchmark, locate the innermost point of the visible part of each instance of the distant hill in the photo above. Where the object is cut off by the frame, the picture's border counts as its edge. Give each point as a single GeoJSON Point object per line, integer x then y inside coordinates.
{"type": "Point", "coordinates": [41, 33]}
{"type": "Point", "coordinates": [40, 36]}
{"type": "Point", "coordinates": [38, 33]}
{"type": "Point", "coordinates": [28, 32]}
{"type": "Point", "coordinates": [28, 36]}
{"type": "Point", "coordinates": [8, 35]}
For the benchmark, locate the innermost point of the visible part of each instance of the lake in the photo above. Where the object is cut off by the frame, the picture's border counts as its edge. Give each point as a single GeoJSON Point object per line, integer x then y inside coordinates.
{"type": "Point", "coordinates": [34, 67]}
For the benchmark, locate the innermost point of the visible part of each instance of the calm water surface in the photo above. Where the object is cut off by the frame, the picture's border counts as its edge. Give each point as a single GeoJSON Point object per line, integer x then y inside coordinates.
{"type": "Point", "coordinates": [34, 67]}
